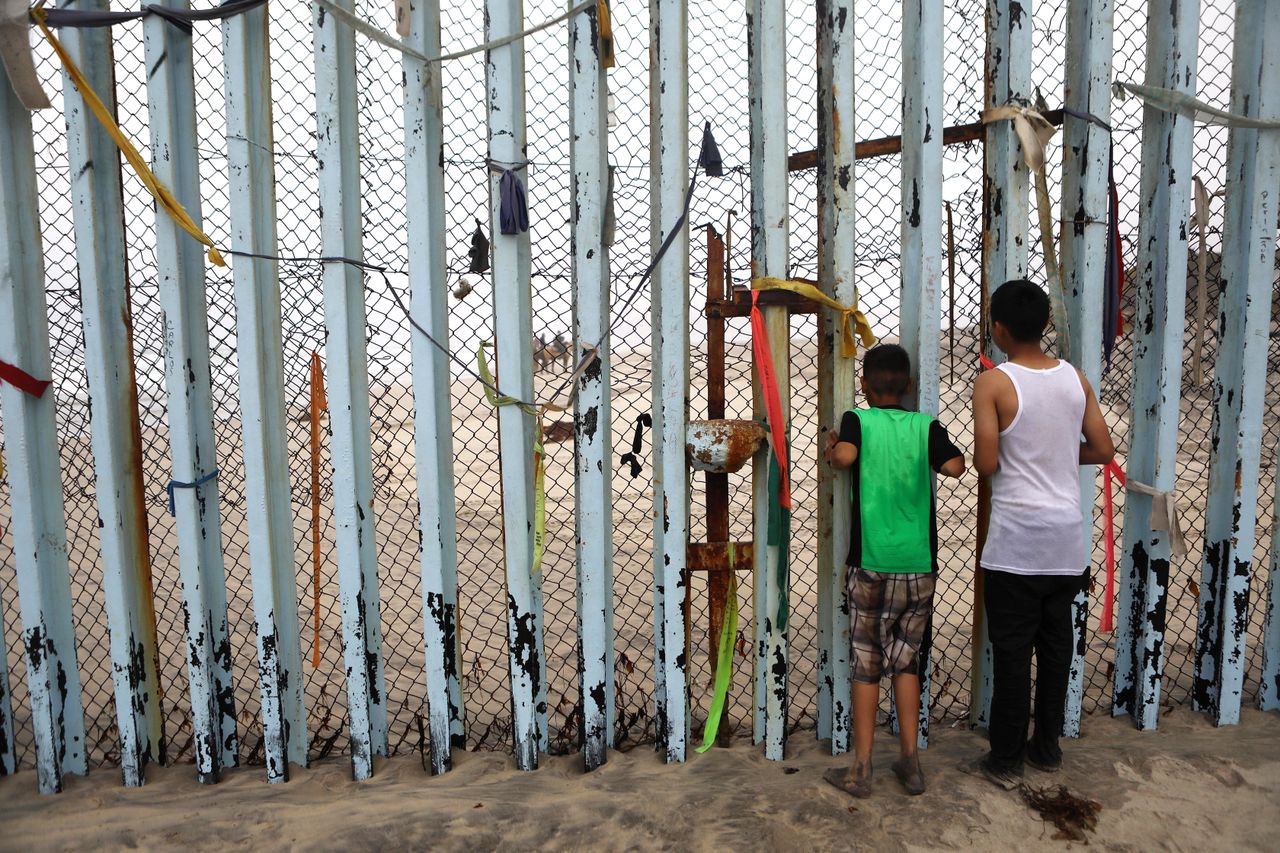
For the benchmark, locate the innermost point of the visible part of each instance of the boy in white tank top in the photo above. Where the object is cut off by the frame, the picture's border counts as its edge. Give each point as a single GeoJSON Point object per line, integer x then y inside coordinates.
{"type": "Point", "coordinates": [1029, 417]}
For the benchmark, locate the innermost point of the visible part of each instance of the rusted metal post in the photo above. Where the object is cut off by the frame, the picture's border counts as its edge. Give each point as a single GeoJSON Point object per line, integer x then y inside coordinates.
{"type": "Point", "coordinates": [1086, 155]}
{"type": "Point", "coordinates": [37, 524]}
{"type": "Point", "coordinates": [717, 485]}
{"type": "Point", "coordinates": [261, 366]}
{"type": "Point", "coordinates": [1240, 380]}
{"type": "Point", "coordinates": [920, 314]}
{"type": "Point", "coordinates": [337, 146]}
{"type": "Point", "coordinates": [837, 375]}
{"type": "Point", "coordinates": [180, 263]}
{"type": "Point", "coordinates": [1159, 315]}
{"type": "Point", "coordinates": [767, 57]}
{"type": "Point", "coordinates": [593, 492]}
{"type": "Point", "coordinates": [1004, 246]}
{"type": "Point", "coordinates": [98, 207]}
{"type": "Point", "coordinates": [669, 166]}
{"type": "Point", "coordinates": [513, 327]}
{"type": "Point", "coordinates": [427, 220]}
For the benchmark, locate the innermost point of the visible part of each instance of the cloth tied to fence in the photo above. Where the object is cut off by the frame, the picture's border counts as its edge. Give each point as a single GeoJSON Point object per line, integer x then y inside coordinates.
{"type": "Point", "coordinates": [724, 662]}
{"type": "Point", "coordinates": [537, 412]}
{"type": "Point", "coordinates": [16, 56]}
{"type": "Point", "coordinates": [777, 424]}
{"type": "Point", "coordinates": [194, 484]}
{"type": "Point", "coordinates": [513, 208]}
{"type": "Point", "coordinates": [163, 196]}
{"type": "Point", "coordinates": [1173, 101]}
{"type": "Point", "coordinates": [1111, 472]}
{"type": "Point", "coordinates": [1164, 514]}
{"type": "Point", "coordinates": [851, 317]}
{"type": "Point", "coordinates": [1034, 132]}
{"type": "Point", "coordinates": [23, 381]}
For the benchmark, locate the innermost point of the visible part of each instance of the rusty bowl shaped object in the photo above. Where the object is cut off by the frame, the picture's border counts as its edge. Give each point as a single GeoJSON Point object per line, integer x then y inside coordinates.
{"type": "Point", "coordinates": [722, 446]}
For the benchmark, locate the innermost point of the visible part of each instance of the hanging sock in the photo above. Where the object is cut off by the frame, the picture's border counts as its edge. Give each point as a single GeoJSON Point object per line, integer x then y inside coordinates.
{"type": "Point", "coordinates": [709, 160]}
{"type": "Point", "coordinates": [643, 420]}
{"type": "Point", "coordinates": [23, 381]}
{"type": "Point", "coordinates": [513, 214]}
{"type": "Point", "coordinates": [1112, 308]}
{"type": "Point", "coordinates": [605, 29]}
{"type": "Point", "coordinates": [479, 253]}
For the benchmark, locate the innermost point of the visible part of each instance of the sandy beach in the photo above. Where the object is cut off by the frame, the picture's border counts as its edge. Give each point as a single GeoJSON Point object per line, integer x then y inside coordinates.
{"type": "Point", "coordinates": [1187, 786]}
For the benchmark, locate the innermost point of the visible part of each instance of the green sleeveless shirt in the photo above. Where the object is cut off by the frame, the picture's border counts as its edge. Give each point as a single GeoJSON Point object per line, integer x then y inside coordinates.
{"type": "Point", "coordinates": [896, 491]}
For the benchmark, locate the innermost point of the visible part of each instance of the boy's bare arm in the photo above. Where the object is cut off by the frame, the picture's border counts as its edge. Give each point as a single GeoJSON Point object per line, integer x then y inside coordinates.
{"type": "Point", "coordinates": [1097, 447]}
{"type": "Point", "coordinates": [953, 467]}
{"type": "Point", "coordinates": [986, 424]}
{"type": "Point", "coordinates": [840, 454]}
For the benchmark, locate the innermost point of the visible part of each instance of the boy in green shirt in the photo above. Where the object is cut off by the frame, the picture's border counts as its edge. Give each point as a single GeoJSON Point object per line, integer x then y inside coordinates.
{"type": "Point", "coordinates": [893, 555]}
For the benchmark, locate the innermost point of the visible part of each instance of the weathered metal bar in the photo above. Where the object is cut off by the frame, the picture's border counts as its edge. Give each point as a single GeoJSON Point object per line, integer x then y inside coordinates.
{"type": "Point", "coordinates": [669, 167]}
{"type": "Point", "coordinates": [716, 555]}
{"type": "Point", "coordinates": [38, 524]}
{"type": "Point", "coordinates": [98, 208]}
{"type": "Point", "coordinates": [513, 327]}
{"type": "Point", "coordinates": [259, 351]}
{"type": "Point", "coordinates": [1086, 155]}
{"type": "Point", "coordinates": [767, 56]}
{"type": "Point", "coordinates": [426, 215]}
{"type": "Point", "coordinates": [180, 265]}
{"type": "Point", "coordinates": [837, 375]}
{"type": "Point", "coordinates": [1240, 372]}
{"type": "Point", "coordinates": [593, 485]}
{"type": "Point", "coordinates": [337, 144]}
{"type": "Point", "coordinates": [1004, 239]}
{"type": "Point", "coordinates": [1160, 287]}
{"type": "Point", "coordinates": [920, 322]}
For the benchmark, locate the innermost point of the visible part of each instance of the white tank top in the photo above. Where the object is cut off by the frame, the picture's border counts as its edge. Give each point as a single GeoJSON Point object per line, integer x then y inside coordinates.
{"type": "Point", "coordinates": [1036, 524]}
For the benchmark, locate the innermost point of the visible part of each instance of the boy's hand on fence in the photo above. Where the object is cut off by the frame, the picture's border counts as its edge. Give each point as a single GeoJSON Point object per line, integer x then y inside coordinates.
{"type": "Point", "coordinates": [832, 438]}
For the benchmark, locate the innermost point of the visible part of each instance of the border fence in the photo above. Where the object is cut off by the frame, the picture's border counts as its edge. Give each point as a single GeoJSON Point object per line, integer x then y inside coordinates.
{"type": "Point", "coordinates": [718, 95]}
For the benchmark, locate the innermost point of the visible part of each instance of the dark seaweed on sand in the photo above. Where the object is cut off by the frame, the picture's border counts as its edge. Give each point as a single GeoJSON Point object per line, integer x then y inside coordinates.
{"type": "Point", "coordinates": [1072, 815]}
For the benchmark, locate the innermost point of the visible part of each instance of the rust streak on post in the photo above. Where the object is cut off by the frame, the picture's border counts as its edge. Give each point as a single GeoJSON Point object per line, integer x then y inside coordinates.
{"type": "Point", "coordinates": [718, 559]}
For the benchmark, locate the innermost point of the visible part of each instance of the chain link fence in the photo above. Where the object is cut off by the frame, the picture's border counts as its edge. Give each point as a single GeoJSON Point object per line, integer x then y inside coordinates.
{"type": "Point", "coordinates": [718, 94]}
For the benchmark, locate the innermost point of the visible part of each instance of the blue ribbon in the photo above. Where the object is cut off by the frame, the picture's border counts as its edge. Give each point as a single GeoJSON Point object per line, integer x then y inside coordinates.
{"type": "Point", "coordinates": [178, 484]}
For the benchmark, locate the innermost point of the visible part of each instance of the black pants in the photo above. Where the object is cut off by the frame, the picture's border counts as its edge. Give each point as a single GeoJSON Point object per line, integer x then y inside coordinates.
{"type": "Point", "coordinates": [1025, 614]}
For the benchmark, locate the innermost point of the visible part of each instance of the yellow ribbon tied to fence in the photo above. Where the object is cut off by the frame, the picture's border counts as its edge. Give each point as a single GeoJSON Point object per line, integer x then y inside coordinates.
{"type": "Point", "coordinates": [1034, 132]}
{"type": "Point", "coordinates": [163, 196]}
{"type": "Point", "coordinates": [851, 317]}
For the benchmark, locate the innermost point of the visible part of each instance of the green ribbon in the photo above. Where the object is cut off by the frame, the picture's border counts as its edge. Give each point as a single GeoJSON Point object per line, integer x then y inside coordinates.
{"type": "Point", "coordinates": [724, 663]}
{"type": "Point", "coordinates": [779, 535]}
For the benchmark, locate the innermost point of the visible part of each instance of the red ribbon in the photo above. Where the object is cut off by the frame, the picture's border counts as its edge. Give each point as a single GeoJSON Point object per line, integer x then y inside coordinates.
{"type": "Point", "coordinates": [987, 364]}
{"type": "Point", "coordinates": [1111, 471]}
{"type": "Point", "coordinates": [23, 381]}
{"type": "Point", "coordinates": [772, 401]}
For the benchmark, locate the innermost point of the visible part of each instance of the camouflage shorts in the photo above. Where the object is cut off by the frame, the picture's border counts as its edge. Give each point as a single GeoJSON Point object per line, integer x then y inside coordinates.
{"type": "Point", "coordinates": [889, 614]}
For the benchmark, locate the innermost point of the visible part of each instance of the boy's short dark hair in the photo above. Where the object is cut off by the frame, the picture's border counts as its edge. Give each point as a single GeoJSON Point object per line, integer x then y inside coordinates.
{"type": "Point", "coordinates": [1022, 307]}
{"type": "Point", "coordinates": [887, 370]}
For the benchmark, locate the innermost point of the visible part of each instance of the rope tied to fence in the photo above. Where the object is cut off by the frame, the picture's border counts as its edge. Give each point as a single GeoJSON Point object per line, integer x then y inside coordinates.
{"type": "Point", "coordinates": [1034, 132]}
{"type": "Point", "coordinates": [162, 194]}
{"type": "Point", "coordinates": [851, 317]}
{"type": "Point", "coordinates": [194, 484]}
